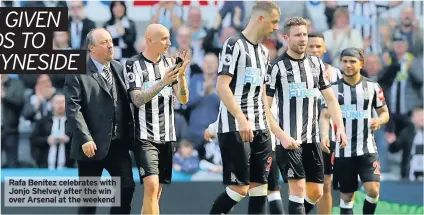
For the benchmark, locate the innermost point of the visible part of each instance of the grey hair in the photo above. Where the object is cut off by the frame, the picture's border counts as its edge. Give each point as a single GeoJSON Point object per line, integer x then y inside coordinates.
{"type": "Point", "coordinates": [89, 40]}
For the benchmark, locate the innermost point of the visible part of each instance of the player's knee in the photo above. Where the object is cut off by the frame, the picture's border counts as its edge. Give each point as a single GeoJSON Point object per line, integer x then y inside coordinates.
{"type": "Point", "coordinates": [151, 186]}
{"type": "Point", "coordinates": [373, 192]}
{"type": "Point", "coordinates": [314, 193]}
{"type": "Point", "coordinates": [260, 190]}
{"type": "Point", "coordinates": [241, 190]}
{"type": "Point", "coordinates": [346, 197]}
{"type": "Point", "coordinates": [297, 187]}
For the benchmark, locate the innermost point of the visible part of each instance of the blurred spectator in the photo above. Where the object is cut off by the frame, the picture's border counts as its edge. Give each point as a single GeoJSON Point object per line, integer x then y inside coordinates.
{"type": "Point", "coordinates": [330, 8]}
{"type": "Point", "coordinates": [38, 105]}
{"type": "Point", "coordinates": [414, 85]}
{"type": "Point", "coordinates": [293, 8]}
{"type": "Point", "coordinates": [60, 42]}
{"type": "Point", "coordinates": [203, 102]}
{"type": "Point", "coordinates": [271, 46]}
{"type": "Point", "coordinates": [410, 141]}
{"type": "Point", "coordinates": [213, 45]}
{"type": "Point", "coordinates": [184, 43]}
{"type": "Point", "coordinates": [186, 159]}
{"type": "Point", "coordinates": [49, 142]}
{"type": "Point", "coordinates": [122, 30]}
{"type": "Point", "coordinates": [384, 76]}
{"type": "Point", "coordinates": [169, 14]}
{"type": "Point", "coordinates": [181, 127]}
{"type": "Point", "coordinates": [198, 32]}
{"type": "Point", "coordinates": [409, 27]}
{"type": "Point", "coordinates": [235, 11]}
{"type": "Point", "coordinates": [364, 18]}
{"type": "Point", "coordinates": [310, 27]}
{"type": "Point", "coordinates": [341, 36]}
{"type": "Point", "coordinates": [12, 101]}
{"type": "Point", "coordinates": [79, 25]}
{"type": "Point", "coordinates": [399, 113]}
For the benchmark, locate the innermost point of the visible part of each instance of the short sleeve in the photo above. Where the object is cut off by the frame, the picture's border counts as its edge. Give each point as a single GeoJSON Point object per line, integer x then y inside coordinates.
{"type": "Point", "coordinates": [379, 99]}
{"type": "Point", "coordinates": [228, 57]}
{"type": "Point", "coordinates": [133, 80]}
{"type": "Point", "coordinates": [272, 78]}
{"type": "Point", "coordinates": [324, 78]}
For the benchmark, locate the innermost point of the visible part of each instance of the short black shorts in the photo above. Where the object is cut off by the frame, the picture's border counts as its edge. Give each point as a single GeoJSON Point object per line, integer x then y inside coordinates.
{"type": "Point", "coordinates": [347, 169]}
{"type": "Point", "coordinates": [154, 159]}
{"type": "Point", "coordinates": [305, 163]}
{"type": "Point", "coordinates": [328, 160]}
{"type": "Point", "coordinates": [277, 167]}
{"type": "Point", "coordinates": [245, 162]}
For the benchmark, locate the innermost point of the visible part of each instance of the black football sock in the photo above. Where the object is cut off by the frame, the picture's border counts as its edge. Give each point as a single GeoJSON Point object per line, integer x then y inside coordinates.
{"type": "Point", "coordinates": [257, 205]}
{"type": "Point", "coordinates": [296, 205]}
{"type": "Point", "coordinates": [225, 202]}
{"type": "Point", "coordinates": [275, 203]}
{"type": "Point", "coordinates": [369, 205]}
{"type": "Point", "coordinates": [346, 207]}
{"type": "Point", "coordinates": [309, 205]}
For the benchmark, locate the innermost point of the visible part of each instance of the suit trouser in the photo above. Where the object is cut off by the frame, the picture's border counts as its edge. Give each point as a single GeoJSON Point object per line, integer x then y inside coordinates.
{"type": "Point", "coordinates": [118, 163]}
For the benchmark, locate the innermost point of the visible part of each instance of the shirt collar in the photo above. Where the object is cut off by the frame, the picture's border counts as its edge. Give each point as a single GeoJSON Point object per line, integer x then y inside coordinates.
{"type": "Point", "coordinates": [99, 66]}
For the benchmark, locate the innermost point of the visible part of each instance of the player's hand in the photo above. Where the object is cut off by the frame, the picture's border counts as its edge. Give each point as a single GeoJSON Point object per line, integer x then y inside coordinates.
{"type": "Point", "coordinates": [207, 136]}
{"type": "Point", "coordinates": [325, 145]}
{"type": "Point", "coordinates": [170, 76]}
{"type": "Point", "coordinates": [375, 124]}
{"type": "Point", "coordinates": [288, 142]}
{"type": "Point", "coordinates": [341, 138]}
{"type": "Point", "coordinates": [245, 129]}
{"type": "Point", "coordinates": [183, 54]}
{"type": "Point", "coordinates": [89, 148]}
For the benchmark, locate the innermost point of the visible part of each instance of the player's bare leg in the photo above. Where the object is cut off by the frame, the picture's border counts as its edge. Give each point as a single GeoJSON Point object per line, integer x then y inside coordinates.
{"type": "Point", "coordinates": [314, 192]}
{"type": "Point", "coordinates": [325, 204]}
{"type": "Point", "coordinates": [373, 191]}
{"type": "Point", "coordinates": [274, 202]}
{"type": "Point", "coordinates": [297, 191]}
{"type": "Point", "coordinates": [346, 203]}
{"type": "Point", "coordinates": [257, 198]}
{"type": "Point", "coordinates": [151, 194]}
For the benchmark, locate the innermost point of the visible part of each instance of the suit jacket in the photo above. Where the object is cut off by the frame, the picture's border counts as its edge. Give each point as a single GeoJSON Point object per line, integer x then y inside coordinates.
{"type": "Point", "coordinates": [89, 110]}
{"type": "Point", "coordinates": [87, 25]}
{"type": "Point", "coordinates": [404, 142]}
{"type": "Point", "coordinates": [40, 147]}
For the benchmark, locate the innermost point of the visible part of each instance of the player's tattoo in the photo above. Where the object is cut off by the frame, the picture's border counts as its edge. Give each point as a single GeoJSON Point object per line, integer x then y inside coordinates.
{"type": "Point", "coordinates": [141, 97]}
{"type": "Point", "coordinates": [183, 91]}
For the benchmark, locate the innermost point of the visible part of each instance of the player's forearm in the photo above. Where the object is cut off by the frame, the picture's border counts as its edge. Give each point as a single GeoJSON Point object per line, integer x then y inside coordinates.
{"type": "Point", "coordinates": [141, 97]}
{"type": "Point", "coordinates": [336, 114]}
{"type": "Point", "coordinates": [183, 92]}
{"type": "Point", "coordinates": [227, 97]}
{"type": "Point", "coordinates": [384, 117]}
{"type": "Point", "coordinates": [324, 125]}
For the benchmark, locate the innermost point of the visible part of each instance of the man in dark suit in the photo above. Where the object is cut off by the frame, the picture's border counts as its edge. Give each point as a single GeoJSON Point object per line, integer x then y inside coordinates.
{"type": "Point", "coordinates": [79, 25]}
{"type": "Point", "coordinates": [100, 118]}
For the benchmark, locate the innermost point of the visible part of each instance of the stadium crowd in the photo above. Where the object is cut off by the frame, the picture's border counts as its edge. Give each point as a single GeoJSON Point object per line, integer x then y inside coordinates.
{"type": "Point", "coordinates": [390, 33]}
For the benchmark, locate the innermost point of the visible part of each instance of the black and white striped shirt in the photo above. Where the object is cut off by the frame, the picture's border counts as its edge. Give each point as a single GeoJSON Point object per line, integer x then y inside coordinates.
{"type": "Point", "coordinates": [336, 75]}
{"type": "Point", "coordinates": [154, 121]}
{"type": "Point", "coordinates": [357, 104]}
{"type": "Point", "coordinates": [247, 64]}
{"type": "Point", "coordinates": [297, 82]}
